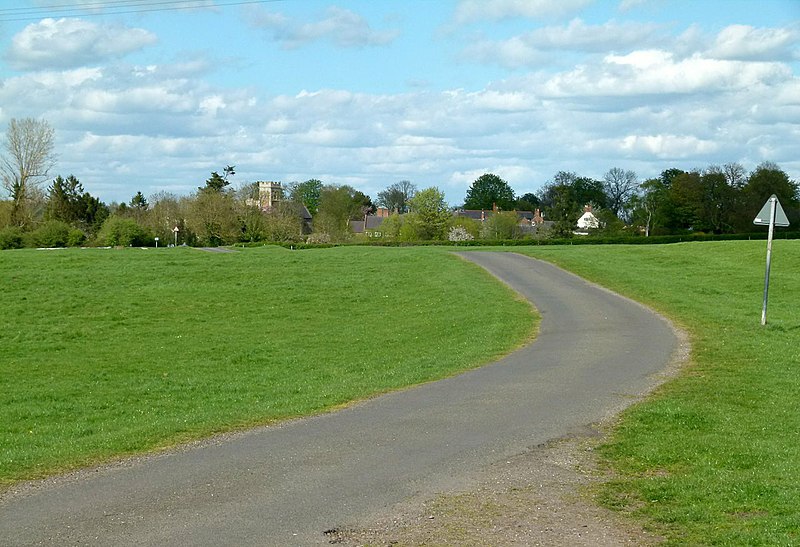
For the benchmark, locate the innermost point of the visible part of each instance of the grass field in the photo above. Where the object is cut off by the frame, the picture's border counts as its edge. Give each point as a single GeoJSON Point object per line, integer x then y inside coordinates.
{"type": "Point", "coordinates": [714, 457]}
{"type": "Point", "coordinates": [110, 352]}
{"type": "Point", "coordinates": [107, 352]}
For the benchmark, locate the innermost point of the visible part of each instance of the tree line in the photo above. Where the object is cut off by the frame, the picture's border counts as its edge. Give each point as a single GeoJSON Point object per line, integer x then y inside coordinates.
{"type": "Point", "coordinates": [55, 212]}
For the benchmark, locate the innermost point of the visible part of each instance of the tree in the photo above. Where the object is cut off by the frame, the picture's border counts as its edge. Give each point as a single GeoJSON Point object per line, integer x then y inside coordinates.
{"type": "Point", "coordinates": [396, 196]}
{"type": "Point", "coordinates": [124, 232]}
{"type": "Point", "coordinates": [64, 199]}
{"type": "Point", "coordinates": [527, 202]}
{"type": "Point", "coordinates": [735, 174]}
{"type": "Point", "coordinates": [67, 202]}
{"type": "Point", "coordinates": [431, 214]}
{"type": "Point", "coordinates": [213, 218]}
{"type": "Point", "coordinates": [139, 202]}
{"type": "Point", "coordinates": [218, 182]}
{"type": "Point", "coordinates": [308, 193]}
{"type": "Point", "coordinates": [619, 186]}
{"type": "Point", "coordinates": [589, 192]}
{"type": "Point", "coordinates": [768, 179]}
{"type": "Point", "coordinates": [284, 223]}
{"type": "Point", "coordinates": [502, 225]}
{"type": "Point", "coordinates": [27, 159]}
{"type": "Point", "coordinates": [337, 207]}
{"type": "Point", "coordinates": [487, 191]}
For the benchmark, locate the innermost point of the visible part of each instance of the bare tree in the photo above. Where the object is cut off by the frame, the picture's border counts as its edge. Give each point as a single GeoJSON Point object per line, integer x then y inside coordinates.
{"type": "Point", "coordinates": [735, 175]}
{"type": "Point", "coordinates": [27, 159]}
{"type": "Point", "coordinates": [620, 185]}
{"type": "Point", "coordinates": [396, 196]}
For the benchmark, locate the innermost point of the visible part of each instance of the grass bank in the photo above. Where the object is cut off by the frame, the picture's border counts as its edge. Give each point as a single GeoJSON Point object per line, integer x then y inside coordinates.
{"type": "Point", "coordinates": [714, 457]}
{"type": "Point", "coordinates": [110, 352]}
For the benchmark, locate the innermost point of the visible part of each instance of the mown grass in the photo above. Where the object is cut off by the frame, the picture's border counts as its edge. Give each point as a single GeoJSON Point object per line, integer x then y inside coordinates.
{"type": "Point", "coordinates": [111, 352]}
{"type": "Point", "coordinates": [714, 457]}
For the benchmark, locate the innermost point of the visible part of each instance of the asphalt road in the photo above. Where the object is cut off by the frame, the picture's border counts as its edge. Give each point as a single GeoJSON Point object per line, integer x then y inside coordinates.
{"type": "Point", "coordinates": [288, 484]}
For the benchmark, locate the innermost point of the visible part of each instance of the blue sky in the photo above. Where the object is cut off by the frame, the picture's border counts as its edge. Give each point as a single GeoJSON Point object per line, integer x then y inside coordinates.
{"type": "Point", "coordinates": [368, 93]}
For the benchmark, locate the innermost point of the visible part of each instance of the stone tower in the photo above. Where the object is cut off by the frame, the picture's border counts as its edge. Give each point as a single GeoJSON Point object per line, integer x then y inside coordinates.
{"type": "Point", "coordinates": [269, 193]}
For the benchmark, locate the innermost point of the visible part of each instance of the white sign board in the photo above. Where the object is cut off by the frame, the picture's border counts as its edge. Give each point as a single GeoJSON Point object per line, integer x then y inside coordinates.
{"type": "Point", "coordinates": [771, 215]}
{"type": "Point", "coordinates": [763, 216]}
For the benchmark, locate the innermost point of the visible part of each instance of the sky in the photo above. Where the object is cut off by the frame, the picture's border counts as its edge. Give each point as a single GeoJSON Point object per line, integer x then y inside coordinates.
{"type": "Point", "coordinates": [154, 95]}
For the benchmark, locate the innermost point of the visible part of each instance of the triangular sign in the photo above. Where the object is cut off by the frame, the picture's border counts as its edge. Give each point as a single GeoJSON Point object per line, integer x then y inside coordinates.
{"type": "Point", "coordinates": [762, 218]}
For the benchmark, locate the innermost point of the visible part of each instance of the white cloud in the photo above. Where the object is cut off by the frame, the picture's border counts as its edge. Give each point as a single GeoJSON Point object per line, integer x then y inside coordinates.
{"type": "Point", "coordinates": [668, 146]}
{"type": "Point", "coordinates": [68, 43]}
{"type": "Point", "coordinates": [657, 72]}
{"type": "Point", "coordinates": [470, 11]}
{"type": "Point", "coordinates": [743, 42]}
{"type": "Point", "coordinates": [618, 97]}
{"type": "Point", "coordinates": [341, 27]}
{"type": "Point", "coordinates": [543, 45]}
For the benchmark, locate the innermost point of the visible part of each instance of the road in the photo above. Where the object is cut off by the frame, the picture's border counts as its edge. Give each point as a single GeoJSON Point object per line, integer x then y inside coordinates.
{"type": "Point", "coordinates": [288, 484]}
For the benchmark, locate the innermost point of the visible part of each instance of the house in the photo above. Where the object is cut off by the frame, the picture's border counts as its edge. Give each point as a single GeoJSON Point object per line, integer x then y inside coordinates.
{"type": "Point", "coordinates": [371, 223]}
{"type": "Point", "coordinates": [530, 222]}
{"type": "Point", "coordinates": [587, 221]}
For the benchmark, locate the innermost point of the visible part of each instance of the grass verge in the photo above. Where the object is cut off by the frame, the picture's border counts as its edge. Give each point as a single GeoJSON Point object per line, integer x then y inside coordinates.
{"type": "Point", "coordinates": [112, 352]}
{"type": "Point", "coordinates": [713, 458]}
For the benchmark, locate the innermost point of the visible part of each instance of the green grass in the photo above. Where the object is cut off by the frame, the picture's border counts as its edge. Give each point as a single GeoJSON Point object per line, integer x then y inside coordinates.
{"type": "Point", "coordinates": [111, 352]}
{"type": "Point", "coordinates": [714, 457]}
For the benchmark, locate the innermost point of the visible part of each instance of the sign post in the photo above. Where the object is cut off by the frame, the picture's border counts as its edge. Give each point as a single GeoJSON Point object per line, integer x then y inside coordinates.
{"type": "Point", "coordinates": [771, 215]}
{"type": "Point", "coordinates": [175, 231]}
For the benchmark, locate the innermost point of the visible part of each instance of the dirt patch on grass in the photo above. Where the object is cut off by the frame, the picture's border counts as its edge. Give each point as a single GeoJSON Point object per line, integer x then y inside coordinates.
{"type": "Point", "coordinates": [541, 497]}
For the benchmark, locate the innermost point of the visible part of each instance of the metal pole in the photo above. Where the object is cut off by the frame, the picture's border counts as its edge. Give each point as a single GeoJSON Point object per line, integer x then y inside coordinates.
{"type": "Point", "coordinates": [773, 206]}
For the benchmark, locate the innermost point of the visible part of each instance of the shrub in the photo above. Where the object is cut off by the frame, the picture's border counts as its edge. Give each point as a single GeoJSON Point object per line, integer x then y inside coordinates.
{"type": "Point", "coordinates": [319, 237]}
{"type": "Point", "coordinates": [11, 238]}
{"type": "Point", "coordinates": [124, 232]}
{"type": "Point", "coordinates": [53, 233]}
{"type": "Point", "coordinates": [75, 237]}
{"type": "Point", "coordinates": [459, 233]}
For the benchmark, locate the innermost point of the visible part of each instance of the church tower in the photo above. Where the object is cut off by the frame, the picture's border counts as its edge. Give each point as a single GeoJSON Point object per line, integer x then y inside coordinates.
{"type": "Point", "coordinates": [269, 193]}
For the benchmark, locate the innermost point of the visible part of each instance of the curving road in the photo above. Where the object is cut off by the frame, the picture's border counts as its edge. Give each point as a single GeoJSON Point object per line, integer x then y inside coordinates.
{"type": "Point", "coordinates": [288, 484]}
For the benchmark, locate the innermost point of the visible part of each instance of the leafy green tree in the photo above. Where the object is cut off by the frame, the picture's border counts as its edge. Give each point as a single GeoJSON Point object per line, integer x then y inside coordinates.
{"type": "Point", "coordinates": [25, 162]}
{"type": "Point", "coordinates": [527, 202]}
{"type": "Point", "coordinates": [218, 182]}
{"type": "Point", "coordinates": [283, 224]}
{"type": "Point", "coordinates": [589, 192]}
{"type": "Point", "coordinates": [391, 226]}
{"type": "Point", "coordinates": [139, 202]}
{"type": "Point", "coordinates": [702, 201]}
{"type": "Point", "coordinates": [212, 216]}
{"type": "Point", "coordinates": [57, 233]}
{"type": "Point", "coordinates": [11, 237]}
{"type": "Point", "coordinates": [502, 225]}
{"type": "Point", "coordinates": [564, 210]}
{"type": "Point", "coordinates": [472, 226]}
{"type": "Point", "coordinates": [431, 214]}
{"type": "Point", "coordinates": [64, 199]}
{"type": "Point", "coordinates": [166, 212]}
{"type": "Point", "coordinates": [768, 179]}
{"type": "Point", "coordinates": [338, 206]}
{"type": "Point", "coordinates": [125, 232]}
{"type": "Point", "coordinates": [487, 191]}
{"type": "Point", "coordinates": [92, 212]}
{"type": "Point", "coordinates": [308, 193]}
{"type": "Point", "coordinates": [396, 197]}
{"type": "Point", "coordinates": [68, 202]}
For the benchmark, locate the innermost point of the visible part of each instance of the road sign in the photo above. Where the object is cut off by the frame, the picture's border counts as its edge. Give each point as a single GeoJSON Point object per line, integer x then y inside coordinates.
{"type": "Point", "coordinates": [763, 216]}
{"type": "Point", "coordinates": [771, 215]}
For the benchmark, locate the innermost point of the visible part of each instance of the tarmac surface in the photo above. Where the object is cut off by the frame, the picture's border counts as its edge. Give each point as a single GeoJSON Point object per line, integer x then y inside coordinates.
{"type": "Point", "coordinates": [290, 484]}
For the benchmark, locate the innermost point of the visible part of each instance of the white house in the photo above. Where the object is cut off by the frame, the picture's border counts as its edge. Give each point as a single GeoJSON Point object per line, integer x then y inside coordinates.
{"type": "Point", "coordinates": [587, 221]}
